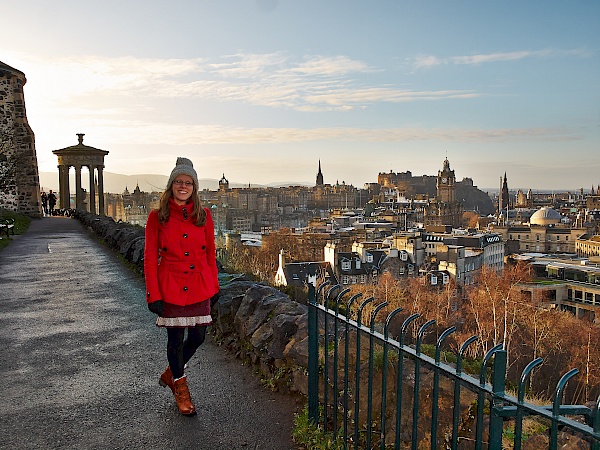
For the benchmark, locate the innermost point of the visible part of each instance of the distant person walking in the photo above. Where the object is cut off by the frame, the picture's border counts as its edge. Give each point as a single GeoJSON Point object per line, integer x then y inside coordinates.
{"type": "Point", "coordinates": [45, 202]}
{"type": "Point", "coordinates": [51, 202]}
{"type": "Point", "coordinates": [181, 274]}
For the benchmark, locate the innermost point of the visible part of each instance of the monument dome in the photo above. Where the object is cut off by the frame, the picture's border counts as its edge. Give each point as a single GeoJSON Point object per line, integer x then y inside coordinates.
{"type": "Point", "coordinates": [545, 216]}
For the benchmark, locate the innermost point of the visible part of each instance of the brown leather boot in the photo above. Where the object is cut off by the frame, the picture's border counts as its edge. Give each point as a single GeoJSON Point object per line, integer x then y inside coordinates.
{"type": "Point", "coordinates": [182, 397]}
{"type": "Point", "coordinates": [166, 379]}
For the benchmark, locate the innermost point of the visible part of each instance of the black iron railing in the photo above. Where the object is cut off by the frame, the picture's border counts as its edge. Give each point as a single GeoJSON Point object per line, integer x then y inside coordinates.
{"type": "Point", "coordinates": [405, 416]}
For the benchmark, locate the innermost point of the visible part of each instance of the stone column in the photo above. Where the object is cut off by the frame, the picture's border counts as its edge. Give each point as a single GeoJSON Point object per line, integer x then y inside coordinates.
{"type": "Point", "coordinates": [78, 196]}
{"type": "Point", "coordinates": [63, 182]}
{"type": "Point", "coordinates": [92, 190]}
{"type": "Point", "coordinates": [61, 188]}
{"type": "Point", "coordinates": [101, 210]}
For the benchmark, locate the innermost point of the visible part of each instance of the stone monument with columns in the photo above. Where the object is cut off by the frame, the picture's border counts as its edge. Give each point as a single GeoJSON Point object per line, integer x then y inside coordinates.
{"type": "Point", "coordinates": [79, 156]}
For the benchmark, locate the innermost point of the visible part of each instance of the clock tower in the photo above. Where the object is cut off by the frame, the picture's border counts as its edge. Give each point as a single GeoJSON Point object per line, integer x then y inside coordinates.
{"type": "Point", "coordinates": [446, 184]}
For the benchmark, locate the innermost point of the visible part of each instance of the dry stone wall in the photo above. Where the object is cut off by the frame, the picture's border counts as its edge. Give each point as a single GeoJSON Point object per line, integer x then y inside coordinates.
{"type": "Point", "coordinates": [19, 178]}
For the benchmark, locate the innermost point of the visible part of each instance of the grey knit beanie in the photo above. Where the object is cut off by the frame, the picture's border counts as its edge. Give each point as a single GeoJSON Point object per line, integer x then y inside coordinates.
{"type": "Point", "coordinates": [183, 166]}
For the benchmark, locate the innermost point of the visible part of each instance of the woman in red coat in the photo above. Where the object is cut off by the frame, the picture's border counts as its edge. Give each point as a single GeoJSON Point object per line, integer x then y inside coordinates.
{"type": "Point", "coordinates": [181, 274]}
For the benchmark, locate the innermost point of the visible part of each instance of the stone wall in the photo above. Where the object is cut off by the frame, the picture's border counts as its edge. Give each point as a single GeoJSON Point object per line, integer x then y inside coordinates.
{"type": "Point", "coordinates": [260, 324]}
{"type": "Point", "coordinates": [19, 179]}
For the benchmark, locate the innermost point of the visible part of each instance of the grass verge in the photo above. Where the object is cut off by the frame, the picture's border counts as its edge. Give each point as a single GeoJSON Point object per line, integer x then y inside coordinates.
{"type": "Point", "coordinates": [312, 437]}
{"type": "Point", "coordinates": [21, 224]}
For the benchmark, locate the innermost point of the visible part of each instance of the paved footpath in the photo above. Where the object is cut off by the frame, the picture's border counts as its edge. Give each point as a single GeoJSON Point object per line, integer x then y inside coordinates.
{"type": "Point", "coordinates": [80, 358]}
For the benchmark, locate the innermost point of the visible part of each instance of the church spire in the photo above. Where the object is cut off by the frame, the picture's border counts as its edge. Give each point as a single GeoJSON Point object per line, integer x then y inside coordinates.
{"type": "Point", "coordinates": [503, 200]}
{"type": "Point", "coordinates": [319, 175]}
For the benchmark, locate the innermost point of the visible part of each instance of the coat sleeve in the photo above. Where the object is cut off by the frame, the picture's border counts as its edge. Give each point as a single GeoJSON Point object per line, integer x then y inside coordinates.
{"type": "Point", "coordinates": [211, 251]}
{"type": "Point", "coordinates": [151, 259]}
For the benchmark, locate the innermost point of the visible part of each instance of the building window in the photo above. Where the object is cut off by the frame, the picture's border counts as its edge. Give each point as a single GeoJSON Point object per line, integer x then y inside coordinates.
{"type": "Point", "coordinates": [537, 237]}
{"type": "Point", "coordinates": [345, 265]}
{"type": "Point", "coordinates": [345, 279]}
{"type": "Point", "coordinates": [369, 257]}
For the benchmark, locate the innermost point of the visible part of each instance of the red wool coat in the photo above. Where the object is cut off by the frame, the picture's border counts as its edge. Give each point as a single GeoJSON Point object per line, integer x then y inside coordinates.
{"type": "Point", "coordinates": [180, 258]}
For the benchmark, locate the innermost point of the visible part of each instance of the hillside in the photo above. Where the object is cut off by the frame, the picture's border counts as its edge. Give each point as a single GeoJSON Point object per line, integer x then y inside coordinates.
{"type": "Point", "coordinates": [472, 198]}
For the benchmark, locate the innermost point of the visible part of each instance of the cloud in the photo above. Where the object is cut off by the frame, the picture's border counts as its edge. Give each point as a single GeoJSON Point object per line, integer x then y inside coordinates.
{"type": "Point", "coordinates": [338, 65]}
{"type": "Point", "coordinates": [493, 57]}
{"type": "Point", "coordinates": [427, 61]}
{"type": "Point", "coordinates": [313, 83]}
{"type": "Point", "coordinates": [146, 133]}
{"type": "Point", "coordinates": [373, 95]}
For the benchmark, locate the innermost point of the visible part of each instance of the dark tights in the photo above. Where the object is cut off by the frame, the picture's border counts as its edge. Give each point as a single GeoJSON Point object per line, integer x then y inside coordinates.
{"type": "Point", "coordinates": [179, 351]}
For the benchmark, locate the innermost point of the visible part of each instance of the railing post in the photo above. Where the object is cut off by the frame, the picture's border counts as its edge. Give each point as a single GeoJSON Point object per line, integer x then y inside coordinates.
{"type": "Point", "coordinates": [359, 326]}
{"type": "Point", "coordinates": [346, 369]}
{"type": "Point", "coordinates": [498, 386]}
{"type": "Point", "coordinates": [481, 396]}
{"type": "Point", "coordinates": [520, 398]}
{"type": "Point", "coordinates": [313, 357]}
{"type": "Point", "coordinates": [436, 387]}
{"type": "Point", "coordinates": [326, 362]}
{"type": "Point", "coordinates": [415, 428]}
{"type": "Point", "coordinates": [336, 360]}
{"type": "Point", "coordinates": [400, 375]}
{"type": "Point", "coordinates": [456, 412]}
{"type": "Point", "coordinates": [386, 333]}
{"type": "Point", "coordinates": [556, 402]}
{"type": "Point", "coordinates": [371, 370]}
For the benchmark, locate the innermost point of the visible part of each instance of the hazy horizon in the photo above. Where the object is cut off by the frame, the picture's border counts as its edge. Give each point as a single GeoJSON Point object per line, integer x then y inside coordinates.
{"type": "Point", "coordinates": [49, 180]}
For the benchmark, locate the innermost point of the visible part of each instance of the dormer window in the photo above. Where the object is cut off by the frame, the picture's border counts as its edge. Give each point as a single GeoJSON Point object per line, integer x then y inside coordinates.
{"type": "Point", "coordinates": [369, 257]}
{"type": "Point", "coordinates": [345, 265]}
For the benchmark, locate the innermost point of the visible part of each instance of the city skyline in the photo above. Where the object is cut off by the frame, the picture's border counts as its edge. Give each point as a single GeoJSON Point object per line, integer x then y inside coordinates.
{"type": "Point", "coordinates": [261, 90]}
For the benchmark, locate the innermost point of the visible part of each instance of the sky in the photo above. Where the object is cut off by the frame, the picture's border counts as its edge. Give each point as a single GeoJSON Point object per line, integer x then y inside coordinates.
{"type": "Point", "coordinates": [262, 90]}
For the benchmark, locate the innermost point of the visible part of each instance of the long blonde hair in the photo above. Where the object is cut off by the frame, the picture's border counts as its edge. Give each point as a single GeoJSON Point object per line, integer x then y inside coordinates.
{"type": "Point", "coordinates": [164, 212]}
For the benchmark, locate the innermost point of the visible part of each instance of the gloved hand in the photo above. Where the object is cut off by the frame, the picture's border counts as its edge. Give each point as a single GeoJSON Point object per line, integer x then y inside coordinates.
{"type": "Point", "coordinates": [214, 299]}
{"type": "Point", "coordinates": [157, 307]}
